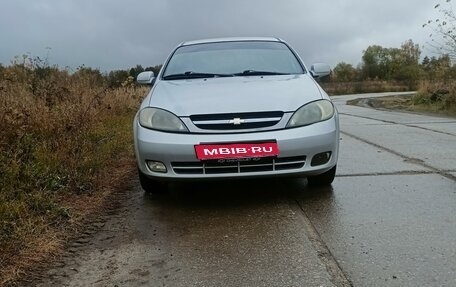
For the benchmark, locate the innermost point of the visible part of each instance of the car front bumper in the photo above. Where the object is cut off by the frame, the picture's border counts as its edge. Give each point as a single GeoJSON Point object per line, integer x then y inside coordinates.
{"type": "Point", "coordinates": [297, 147]}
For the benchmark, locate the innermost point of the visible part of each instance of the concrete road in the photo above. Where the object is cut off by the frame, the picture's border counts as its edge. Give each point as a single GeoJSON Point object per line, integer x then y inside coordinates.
{"type": "Point", "coordinates": [391, 220]}
{"type": "Point", "coordinates": [388, 220]}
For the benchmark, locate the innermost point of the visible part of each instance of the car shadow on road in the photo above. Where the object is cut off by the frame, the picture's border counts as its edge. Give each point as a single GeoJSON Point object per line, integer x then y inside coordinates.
{"type": "Point", "coordinates": [235, 193]}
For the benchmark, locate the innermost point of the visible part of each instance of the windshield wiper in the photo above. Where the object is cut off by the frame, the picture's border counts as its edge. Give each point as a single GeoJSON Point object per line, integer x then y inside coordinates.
{"type": "Point", "coordinates": [259, 73]}
{"type": "Point", "coordinates": [194, 75]}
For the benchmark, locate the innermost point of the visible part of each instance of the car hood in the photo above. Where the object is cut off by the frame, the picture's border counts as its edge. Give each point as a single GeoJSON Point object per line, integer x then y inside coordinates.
{"type": "Point", "coordinates": [234, 94]}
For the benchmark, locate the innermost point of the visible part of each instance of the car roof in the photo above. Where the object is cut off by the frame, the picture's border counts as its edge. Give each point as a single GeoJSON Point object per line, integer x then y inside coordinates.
{"type": "Point", "coordinates": [230, 39]}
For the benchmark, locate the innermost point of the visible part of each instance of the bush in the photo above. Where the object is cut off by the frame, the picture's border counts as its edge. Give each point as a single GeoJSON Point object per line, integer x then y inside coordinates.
{"type": "Point", "coordinates": [439, 94]}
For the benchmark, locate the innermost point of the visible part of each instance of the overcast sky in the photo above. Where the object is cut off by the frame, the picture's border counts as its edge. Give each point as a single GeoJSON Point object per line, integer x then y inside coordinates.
{"type": "Point", "coordinates": [114, 34]}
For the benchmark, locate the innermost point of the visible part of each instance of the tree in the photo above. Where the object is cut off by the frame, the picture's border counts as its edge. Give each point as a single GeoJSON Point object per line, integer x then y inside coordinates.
{"type": "Point", "coordinates": [392, 63]}
{"type": "Point", "coordinates": [410, 53]}
{"type": "Point", "coordinates": [377, 62]}
{"type": "Point", "coordinates": [92, 77]}
{"type": "Point", "coordinates": [425, 62]}
{"type": "Point", "coordinates": [156, 69]}
{"type": "Point", "coordinates": [438, 68]}
{"type": "Point", "coordinates": [344, 72]}
{"type": "Point", "coordinates": [407, 67]}
{"type": "Point", "coordinates": [134, 72]}
{"type": "Point", "coordinates": [116, 78]}
{"type": "Point", "coordinates": [443, 30]}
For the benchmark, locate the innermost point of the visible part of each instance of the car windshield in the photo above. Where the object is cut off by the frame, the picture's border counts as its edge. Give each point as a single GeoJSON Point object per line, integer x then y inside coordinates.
{"type": "Point", "coordinates": [247, 58]}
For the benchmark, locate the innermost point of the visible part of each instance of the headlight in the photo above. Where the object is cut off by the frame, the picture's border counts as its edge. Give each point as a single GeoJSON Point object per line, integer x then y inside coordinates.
{"type": "Point", "coordinates": [158, 119]}
{"type": "Point", "coordinates": [312, 113]}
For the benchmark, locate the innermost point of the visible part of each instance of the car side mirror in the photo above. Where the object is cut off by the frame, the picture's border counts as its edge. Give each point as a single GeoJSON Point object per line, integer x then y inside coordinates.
{"type": "Point", "coordinates": [145, 78]}
{"type": "Point", "coordinates": [319, 70]}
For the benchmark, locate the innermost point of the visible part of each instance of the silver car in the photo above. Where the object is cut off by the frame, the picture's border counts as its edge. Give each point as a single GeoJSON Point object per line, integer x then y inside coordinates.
{"type": "Point", "coordinates": [235, 108]}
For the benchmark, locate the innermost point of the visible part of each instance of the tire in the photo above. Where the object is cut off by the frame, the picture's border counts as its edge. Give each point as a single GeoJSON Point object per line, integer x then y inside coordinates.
{"type": "Point", "coordinates": [151, 186]}
{"type": "Point", "coordinates": [324, 179]}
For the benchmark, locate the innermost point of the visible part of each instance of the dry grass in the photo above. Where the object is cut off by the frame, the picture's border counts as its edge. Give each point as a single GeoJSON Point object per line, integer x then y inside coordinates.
{"type": "Point", "coordinates": [437, 96]}
{"type": "Point", "coordinates": [345, 88]}
{"type": "Point", "coordinates": [420, 103]}
{"type": "Point", "coordinates": [60, 136]}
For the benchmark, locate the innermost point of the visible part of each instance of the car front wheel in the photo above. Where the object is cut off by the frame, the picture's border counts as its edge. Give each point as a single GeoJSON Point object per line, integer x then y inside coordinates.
{"type": "Point", "coordinates": [324, 179]}
{"type": "Point", "coordinates": [151, 186]}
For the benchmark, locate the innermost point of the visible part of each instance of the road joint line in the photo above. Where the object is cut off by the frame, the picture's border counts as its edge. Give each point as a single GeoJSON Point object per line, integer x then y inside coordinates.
{"type": "Point", "coordinates": [402, 172]}
{"type": "Point", "coordinates": [410, 125]}
{"type": "Point", "coordinates": [409, 159]}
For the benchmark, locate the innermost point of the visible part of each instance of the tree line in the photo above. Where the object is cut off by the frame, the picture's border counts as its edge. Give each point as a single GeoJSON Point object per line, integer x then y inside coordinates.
{"type": "Point", "coordinates": [118, 78]}
{"type": "Point", "coordinates": [378, 63]}
{"type": "Point", "coordinates": [396, 64]}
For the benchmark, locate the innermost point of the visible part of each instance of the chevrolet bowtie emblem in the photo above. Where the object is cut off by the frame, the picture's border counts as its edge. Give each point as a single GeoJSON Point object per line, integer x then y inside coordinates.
{"type": "Point", "coordinates": [236, 121]}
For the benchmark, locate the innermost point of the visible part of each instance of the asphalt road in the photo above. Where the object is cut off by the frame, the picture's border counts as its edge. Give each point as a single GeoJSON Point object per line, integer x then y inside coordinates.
{"type": "Point", "coordinates": [388, 220]}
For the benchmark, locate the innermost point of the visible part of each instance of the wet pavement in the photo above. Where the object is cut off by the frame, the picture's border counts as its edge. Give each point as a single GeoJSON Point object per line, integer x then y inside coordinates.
{"type": "Point", "coordinates": [210, 234]}
{"type": "Point", "coordinates": [396, 227]}
{"type": "Point", "coordinates": [388, 220]}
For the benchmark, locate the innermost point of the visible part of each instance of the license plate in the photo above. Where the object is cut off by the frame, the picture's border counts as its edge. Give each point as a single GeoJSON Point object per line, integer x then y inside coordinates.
{"type": "Point", "coordinates": [236, 150]}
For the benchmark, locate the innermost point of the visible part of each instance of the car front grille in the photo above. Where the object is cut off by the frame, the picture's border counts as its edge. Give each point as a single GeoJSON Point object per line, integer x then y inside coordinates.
{"type": "Point", "coordinates": [229, 166]}
{"type": "Point", "coordinates": [236, 121]}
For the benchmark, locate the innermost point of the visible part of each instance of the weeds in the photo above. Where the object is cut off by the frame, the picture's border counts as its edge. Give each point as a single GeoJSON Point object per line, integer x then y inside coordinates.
{"type": "Point", "coordinates": [59, 132]}
{"type": "Point", "coordinates": [439, 96]}
{"type": "Point", "coordinates": [344, 88]}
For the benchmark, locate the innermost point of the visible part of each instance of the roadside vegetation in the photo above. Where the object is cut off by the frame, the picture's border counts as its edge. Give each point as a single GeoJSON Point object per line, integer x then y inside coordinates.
{"type": "Point", "coordinates": [398, 70]}
{"type": "Point", "coordinates": [65, 143]}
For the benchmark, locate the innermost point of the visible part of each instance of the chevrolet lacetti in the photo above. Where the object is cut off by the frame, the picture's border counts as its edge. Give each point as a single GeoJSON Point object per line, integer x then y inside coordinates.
{"type": "Point", "coordinates": [235, 108]}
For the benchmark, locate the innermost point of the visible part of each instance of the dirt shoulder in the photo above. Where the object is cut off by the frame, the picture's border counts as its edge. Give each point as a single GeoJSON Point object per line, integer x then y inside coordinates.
{"type": "Point", "coordinates": [400, 103]}
{"type": "Point", "coordinates": [89, 213]}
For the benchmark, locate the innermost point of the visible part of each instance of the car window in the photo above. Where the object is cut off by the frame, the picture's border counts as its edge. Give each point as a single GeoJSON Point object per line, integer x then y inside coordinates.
{"type": "Point", "coordinates": [234, 58]}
